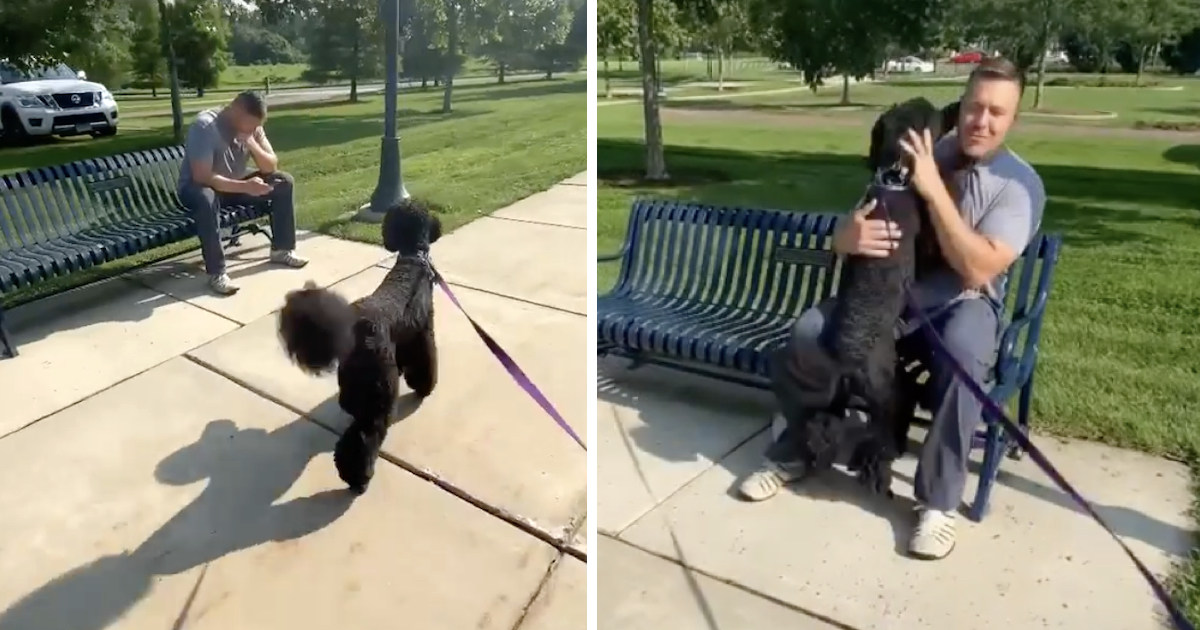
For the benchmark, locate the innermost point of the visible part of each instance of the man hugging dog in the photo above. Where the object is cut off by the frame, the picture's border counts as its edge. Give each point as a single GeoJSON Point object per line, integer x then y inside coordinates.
{"type": "Point", "coordinates": [985, 204]}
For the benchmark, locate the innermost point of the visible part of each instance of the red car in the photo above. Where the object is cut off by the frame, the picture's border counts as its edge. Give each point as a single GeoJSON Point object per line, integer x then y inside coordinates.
{"type": "Point", "coordinates": [970, 56]}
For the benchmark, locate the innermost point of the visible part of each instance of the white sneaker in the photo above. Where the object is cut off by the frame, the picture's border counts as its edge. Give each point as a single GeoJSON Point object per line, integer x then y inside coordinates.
{"type": "Point", "coordinates": [287, 258]}
{"type": "Point", "coordinates": [222, 284]}
{"type": "Point", "coordinates": [766, 482]}
{"type": "Point", "coordinates": [934, 537]}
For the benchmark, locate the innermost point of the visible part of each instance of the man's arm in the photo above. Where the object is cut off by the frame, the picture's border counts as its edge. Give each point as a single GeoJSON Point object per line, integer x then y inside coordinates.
{"type": "Point", "coordinates": [262, 152]}
{"type": "Point", "coordinates": [981, 254]}
{"type": "Point", "coordinates": [199, 151]}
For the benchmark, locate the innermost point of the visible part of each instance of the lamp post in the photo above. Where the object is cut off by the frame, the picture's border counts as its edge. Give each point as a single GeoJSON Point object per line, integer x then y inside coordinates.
{"type": "Point", "coordinates": [169, 46]}
{"type": "Point", "coordinates": [389, 190]}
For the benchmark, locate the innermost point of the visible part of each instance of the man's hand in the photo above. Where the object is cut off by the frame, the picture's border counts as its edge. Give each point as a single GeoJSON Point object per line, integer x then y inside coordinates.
{"type": "Point", "coordinates": [925, 175]}
{"type": "Point", "coordinates": [257, 187]}
{"type": "Point", "coordinates": [860, 236]}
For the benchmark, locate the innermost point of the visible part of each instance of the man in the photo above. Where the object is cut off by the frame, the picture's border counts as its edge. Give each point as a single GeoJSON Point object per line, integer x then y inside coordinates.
{"type": "Point", "coordinates": [219, 145]}
{"type": "Point", "coordinates": [982, 228]}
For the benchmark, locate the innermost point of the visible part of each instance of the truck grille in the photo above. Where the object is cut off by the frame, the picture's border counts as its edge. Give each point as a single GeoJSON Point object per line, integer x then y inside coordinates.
{"type": "Point", "coordinates": [68, 101]}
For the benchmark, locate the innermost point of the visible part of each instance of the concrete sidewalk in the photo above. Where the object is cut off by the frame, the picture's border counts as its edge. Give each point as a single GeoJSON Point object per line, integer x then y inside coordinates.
{"type": "Point", "coordinates": [828, 556]}
{"type": "Point", "coordinates": [165, 465]}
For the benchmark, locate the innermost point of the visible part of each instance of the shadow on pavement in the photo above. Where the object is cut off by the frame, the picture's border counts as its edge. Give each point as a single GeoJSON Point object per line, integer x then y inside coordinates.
{"type": "Point", "coordinates": [247, 471]}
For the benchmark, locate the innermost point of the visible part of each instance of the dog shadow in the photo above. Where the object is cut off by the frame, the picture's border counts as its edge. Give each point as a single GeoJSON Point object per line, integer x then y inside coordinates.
{"type": "Point", "coordinates": [246, 472]}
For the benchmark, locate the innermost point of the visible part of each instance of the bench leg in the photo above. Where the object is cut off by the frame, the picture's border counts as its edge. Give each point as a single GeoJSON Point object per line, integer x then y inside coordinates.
{"type": "Point", "coordinates": [992, 456]}
{"type": "Point", "coordinates": [6, 340]}
{"type": "Point", "coordinates": [235, 237]}
{"type": "Point", "coordinates": [1024, 404]}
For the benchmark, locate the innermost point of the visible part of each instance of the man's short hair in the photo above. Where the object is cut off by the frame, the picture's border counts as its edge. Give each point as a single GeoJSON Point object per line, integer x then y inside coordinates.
{"type": "Point", "coordinates": [253, 103]}
{"type": "Point", "coordinates": [997, 69]}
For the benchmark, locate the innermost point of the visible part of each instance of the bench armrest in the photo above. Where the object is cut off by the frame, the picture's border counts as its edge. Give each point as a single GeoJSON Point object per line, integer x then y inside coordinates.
{"type": "Point", "coordinates": [1008, 341]}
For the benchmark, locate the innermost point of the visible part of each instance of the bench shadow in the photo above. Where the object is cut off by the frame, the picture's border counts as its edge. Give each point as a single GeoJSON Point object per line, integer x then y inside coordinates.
{"type": "Point", "coordinates": [666, 436]}
{"type": "Point", "coordinates": [116, 299]}
{"type": "Point", "coordinates": [659, 397]}
{"type": "Point", "coordinates": [246, 472]}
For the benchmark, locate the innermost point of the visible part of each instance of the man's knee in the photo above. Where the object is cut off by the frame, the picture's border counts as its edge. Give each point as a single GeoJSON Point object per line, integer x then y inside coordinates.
{"type": "Point", "coordinates": [280, 179]}
{"type": "Point", "coordinates": [969, 332]}
{"type": "Point", "coordinates": [196, 198]}
{"type": "Point", "coordinates": [802, 357]}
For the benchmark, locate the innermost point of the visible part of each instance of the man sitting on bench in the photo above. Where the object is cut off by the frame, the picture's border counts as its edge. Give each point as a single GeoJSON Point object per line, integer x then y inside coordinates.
{"type": "Point", "coordinates": [985, 212]}
{"type": "Point", "coordinates": [219, 145]}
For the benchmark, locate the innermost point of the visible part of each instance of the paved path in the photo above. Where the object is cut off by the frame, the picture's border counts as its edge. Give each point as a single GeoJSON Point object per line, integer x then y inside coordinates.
{"type": "Point", "coordinates": [828, 557]}
{"type": "Point", "coordinates": [142, 107]}
{"type": "Point", "coordinates": [165, 466]}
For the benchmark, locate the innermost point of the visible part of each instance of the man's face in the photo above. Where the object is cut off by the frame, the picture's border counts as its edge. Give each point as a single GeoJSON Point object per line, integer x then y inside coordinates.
{"type": "Point", "coordinates": [244, 123]}
{"type": "Point", "coordinates": [989, 109]}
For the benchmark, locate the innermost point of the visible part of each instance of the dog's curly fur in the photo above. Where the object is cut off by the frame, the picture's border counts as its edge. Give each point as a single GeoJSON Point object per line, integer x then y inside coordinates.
{"type": "Point", "coordinates": [373, 341]}
{"type": "Point", "coordinates": [870, 301]}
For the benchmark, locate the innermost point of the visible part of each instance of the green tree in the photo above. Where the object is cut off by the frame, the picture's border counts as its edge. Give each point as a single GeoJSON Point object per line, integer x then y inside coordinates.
{"type": "Point", "coordinates": [1147, 24]}
{"type": "Point", "coordinates": [106, 57]}
{"type": "Point", "coordinates": [1023, 31]}
{"type": "Point", "coordinates": [346, 42]}
{"type": "Point", "coordinates": [201, 39]}
{"type": "Point", "coordinates": [850, 38]}
{"type": "Point", "coordinates": [520, 28]}
{"type": "Point", "coordinates": [38, 33]}
{"type": "Point", "coordinates": [148, 63]}
{"type": "Point", "coordinates": [615, 28]}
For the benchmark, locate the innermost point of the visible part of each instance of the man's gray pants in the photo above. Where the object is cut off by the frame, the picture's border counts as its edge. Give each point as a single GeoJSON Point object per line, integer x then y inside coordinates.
{"type": "Point", "coordinates": [804, 377]}
{"type": "Point", "coordinates": [204, 204]}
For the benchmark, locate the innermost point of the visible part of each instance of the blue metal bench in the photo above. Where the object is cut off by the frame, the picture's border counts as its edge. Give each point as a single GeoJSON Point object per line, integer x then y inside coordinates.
{"type": "Point", "coordinates": [59, 220]}
{"type": "Point", "coordinates": [713, 291]}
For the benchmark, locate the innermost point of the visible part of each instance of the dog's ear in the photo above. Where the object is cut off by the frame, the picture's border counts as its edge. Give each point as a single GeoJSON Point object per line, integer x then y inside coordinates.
{"type": "Point", "coordinates": [877, 140]}
{"type": "Point", "coordinates": [950, 114]}
{"type": "Point", "coordinates": [435, 228]}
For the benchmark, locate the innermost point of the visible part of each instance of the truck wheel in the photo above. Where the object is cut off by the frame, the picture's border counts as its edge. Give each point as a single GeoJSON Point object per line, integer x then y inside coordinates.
{"type": "Point", "coordinates": [14, 129]}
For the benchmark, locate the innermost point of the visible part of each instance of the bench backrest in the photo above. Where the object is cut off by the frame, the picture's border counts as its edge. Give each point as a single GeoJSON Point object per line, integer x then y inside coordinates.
{"type": "Point", "coordinates": [774, 261]}
{"type": "Point", "coordinates": [762, 260]}
{"type": "Point", "coordinates": [56, 201]}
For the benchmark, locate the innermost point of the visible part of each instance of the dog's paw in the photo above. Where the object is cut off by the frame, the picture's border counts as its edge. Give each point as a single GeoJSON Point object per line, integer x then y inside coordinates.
{"type": "Point", "coordinates": [874, 471]}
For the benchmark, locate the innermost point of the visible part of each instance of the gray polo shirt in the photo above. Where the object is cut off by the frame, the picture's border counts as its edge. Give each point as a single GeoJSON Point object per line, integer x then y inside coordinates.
{"type": "Point", "coordinates": [209, 139]}
{"type": "Point", "coordinates": [1003, 199]}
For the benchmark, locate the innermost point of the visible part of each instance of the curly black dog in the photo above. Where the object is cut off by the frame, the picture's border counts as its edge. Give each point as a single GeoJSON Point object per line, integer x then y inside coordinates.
{"type": "Point", "coordinates": [870, 302]}
{"type": "Point", "coordinates": [373, 341]}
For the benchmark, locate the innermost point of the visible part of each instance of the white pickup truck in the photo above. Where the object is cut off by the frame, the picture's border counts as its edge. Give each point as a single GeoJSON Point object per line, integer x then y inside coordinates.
{"type": "Point", "coordinates": [56, 101]}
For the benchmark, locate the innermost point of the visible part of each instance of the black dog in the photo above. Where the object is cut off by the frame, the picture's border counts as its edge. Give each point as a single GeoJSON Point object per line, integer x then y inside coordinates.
{"type": "Point", "coordinates": [870, 301]}
{"type": "Point", "coordinates": [373, 341]}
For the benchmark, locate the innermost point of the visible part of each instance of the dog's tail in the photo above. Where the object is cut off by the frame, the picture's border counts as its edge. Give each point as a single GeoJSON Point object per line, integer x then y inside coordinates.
{"type": "Point", "coordinates": [316, 327]}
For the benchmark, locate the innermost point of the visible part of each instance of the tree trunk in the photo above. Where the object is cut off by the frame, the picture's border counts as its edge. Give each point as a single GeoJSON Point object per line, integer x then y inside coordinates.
{"type": "Point", "coordinates": [1043, 44]}
{"type": "Point", "coordinates": [1143, 53]}
{"type": "Point", "coordinates": [452, 47]}
{"type": "Point", "coordinates": [720, 70]}
{"type": "Point", "coordinates": [501, 68]}
{"type": "Point", "coordinates": [607, 79]}
{"type": "Point", "coordinates": [845, 89]}
{"type": "Point", "coordinates": [200, 92]}
{"type": "Point", "coordinates": [708, 58]}
{"type": "Point", "coordinates": [354, 79]}
{"type": "Point", "coordinates": [621, 63]}
{"type": "Point", "coordinates": [153, 91]}
{"type": "Point", "coordinates": [656, 168]}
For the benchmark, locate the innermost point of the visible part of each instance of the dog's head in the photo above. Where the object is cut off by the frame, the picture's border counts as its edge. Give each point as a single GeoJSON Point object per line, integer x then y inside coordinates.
{"type": "Point", "coordinates": [886, 158]}
{"type": "Point", "coordinates": [410, 227]}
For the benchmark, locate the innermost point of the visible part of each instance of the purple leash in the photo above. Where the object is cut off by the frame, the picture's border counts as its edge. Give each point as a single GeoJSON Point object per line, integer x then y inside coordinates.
{"type": "Point", "coordinates": [507, 361]}
{"type": "Point", "coordinates": [995, 410]}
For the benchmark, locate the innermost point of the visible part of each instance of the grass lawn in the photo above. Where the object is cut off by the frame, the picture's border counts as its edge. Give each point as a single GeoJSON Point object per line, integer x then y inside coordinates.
{"type": "Point", "coordinates": [501, 144]}
{"type": "Point", "coordinates": [1120, 356]}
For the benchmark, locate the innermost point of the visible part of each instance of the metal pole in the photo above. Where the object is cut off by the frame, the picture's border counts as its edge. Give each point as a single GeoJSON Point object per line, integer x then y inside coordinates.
{"type": "Point", "coordinates": [390, 188]}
